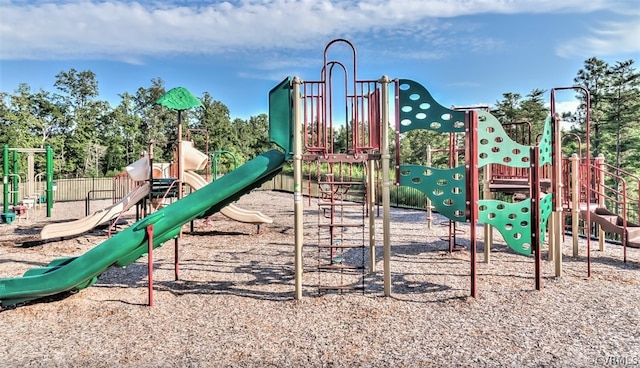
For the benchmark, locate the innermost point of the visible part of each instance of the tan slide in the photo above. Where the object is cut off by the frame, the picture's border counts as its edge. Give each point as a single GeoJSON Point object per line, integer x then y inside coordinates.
{"type": "Point", "coordinates": [60, 230]}
{"type": "Point", "coordinates": [138, 171]}
{"type": "Point", "coordinates": [231, 211]}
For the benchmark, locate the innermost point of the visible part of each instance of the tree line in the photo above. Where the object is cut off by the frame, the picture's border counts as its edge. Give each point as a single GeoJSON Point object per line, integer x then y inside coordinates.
{"type": "Point", "coordinates": [92, 138]}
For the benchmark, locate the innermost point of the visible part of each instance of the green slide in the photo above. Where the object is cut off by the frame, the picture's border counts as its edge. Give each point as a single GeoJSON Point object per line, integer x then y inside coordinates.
{"type": "Point", "coordinates": [75, 273]}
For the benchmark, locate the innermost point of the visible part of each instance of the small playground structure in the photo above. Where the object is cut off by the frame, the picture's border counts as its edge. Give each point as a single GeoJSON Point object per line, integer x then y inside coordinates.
{"type": "Point", "coordinates": [497, 175]}
{"type": "Point", "coordinates": [23, 191]}
{"type": "Point", "coordinates": [149, 188]}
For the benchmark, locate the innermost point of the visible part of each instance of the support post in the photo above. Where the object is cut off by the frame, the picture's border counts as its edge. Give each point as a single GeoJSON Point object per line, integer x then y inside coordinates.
{"type": "Point", "coordinates": [297, 185]}
{"type": "Point", "coordinates": [386, 184]}
{"type": "Point", "coordinates": [599, 163]}
{"type": "Point", "coordinates": [15, 185]}
{"type": "Point", "coordinates": [31, 176]}
{"type": "Point", "coordinates": [5, 178]}
{"type": "Point", "coordinates": [472, 187]}
{"type": "Point", "coordinates": [176, 259]}
{"type": "Point", "coordinates": [535, 212]}
{"type": "Point", "coordinates": [49, 180]}
{"type": "Point", "coordinates": [556, 175]}
{"type": "Point", "coordinates": [150, 262]}
{"type": "Point", "coordinates": [429, 205]}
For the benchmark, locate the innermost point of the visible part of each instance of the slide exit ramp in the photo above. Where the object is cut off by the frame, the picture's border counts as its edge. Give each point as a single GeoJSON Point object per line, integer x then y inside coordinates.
{"type": "Point", "coordinates": [76, 273]}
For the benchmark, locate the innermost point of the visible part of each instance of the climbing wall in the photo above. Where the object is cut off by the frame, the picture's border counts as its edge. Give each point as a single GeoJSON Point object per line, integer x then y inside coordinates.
{"type": "Point", "coordinates": [446, 187]}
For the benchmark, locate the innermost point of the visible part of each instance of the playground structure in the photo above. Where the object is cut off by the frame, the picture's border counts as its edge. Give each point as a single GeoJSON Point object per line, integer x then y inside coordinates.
{"type": "Point", "coordinates": [153, 192]}
{"type": "Point", "coordinates": [453, 192]}
{"type": "Point", "coordinates": [303, 118]}
{"type": "Point", "coordinates": [499, 159]}
{"type": "Point", "coordinates": [33, 191]}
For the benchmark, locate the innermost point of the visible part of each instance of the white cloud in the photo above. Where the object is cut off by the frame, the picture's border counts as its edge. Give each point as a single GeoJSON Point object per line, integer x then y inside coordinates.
{"type": "Point", "coordinates": [608, 38]}
{"type": "Point", "coordinates": [124, 30]}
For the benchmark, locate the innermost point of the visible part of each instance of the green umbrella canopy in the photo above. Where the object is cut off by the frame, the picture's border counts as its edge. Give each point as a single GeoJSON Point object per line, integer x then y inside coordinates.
{"type": "Point", "coordinates": [179, 98]}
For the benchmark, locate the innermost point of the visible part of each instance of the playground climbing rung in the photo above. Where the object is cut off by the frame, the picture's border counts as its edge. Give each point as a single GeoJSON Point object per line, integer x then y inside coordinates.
{"type": "Point", "coordinates": [340, 245]}
{"type": "Point", "coordinates": [340, 225]}
{"type": "Point", "coordinates": [339, 266]}
{"type": "Point", "coordinates": [338, 203]}
{"type": "Point", "coordinates": [341, 182]}
{"type": "Point", "coordinates": [341, 287]}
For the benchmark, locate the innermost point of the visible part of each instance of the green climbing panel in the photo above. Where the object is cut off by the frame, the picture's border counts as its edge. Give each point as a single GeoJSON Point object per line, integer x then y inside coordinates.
{"type": "Point", "coordinates": [445, 188]}
{"type": "Point", "coordinates": [513, 220]}
{"type": "Point", "coordinates": [496, 147]}
{"type": "Point", "coordinates": [545, 143]}
{"type": "Point", "coordinates": [418, 110]}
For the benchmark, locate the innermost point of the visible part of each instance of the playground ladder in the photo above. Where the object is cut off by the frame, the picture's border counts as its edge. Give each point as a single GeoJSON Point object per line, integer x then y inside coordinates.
{"type": "Point", "coordinates": [341, 233]}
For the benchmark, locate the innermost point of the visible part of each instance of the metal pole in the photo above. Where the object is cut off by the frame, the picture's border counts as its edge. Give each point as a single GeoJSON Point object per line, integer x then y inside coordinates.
{"type": "Point", "coordinates": [176, 259]}
{"type": "Point", "coordinates": [575, 200]}
{"type": "Point", "coordinates": [297, 186]}
{"type": "Point", "coordinates": [429, 204]}
{"type": "Point", "coordinates": [5, 178]}
{"type": "Point", "coordinates": [150, 262]}
{"type": "Point", "coordinates": [49, 180]}
{"type": "Point", "coordinates": [16, 182]}
{"type": "Point", "coordinates": [556, 176]}
{"type": "Point", "coordinates": [599, 163]}
{"type": "Point", "coordinates": [471, 157]}
{"type": "Point", "coordinates": [535, 212]}
{"type": "Point", "coordinates": [386, 184]}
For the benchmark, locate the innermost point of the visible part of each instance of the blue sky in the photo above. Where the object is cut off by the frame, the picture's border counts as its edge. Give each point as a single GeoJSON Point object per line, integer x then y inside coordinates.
{"type": "Point", "coordinates": [466, 52]}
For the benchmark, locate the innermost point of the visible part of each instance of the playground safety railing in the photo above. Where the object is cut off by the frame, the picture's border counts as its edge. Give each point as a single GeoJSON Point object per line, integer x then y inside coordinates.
{"type": "Point", "coordinates": [618, 190]}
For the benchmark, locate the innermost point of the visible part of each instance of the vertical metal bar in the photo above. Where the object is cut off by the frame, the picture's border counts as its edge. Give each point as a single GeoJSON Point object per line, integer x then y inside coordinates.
{"type": "Point", "coordinates": [15, 182]}
{"type": "Point", "coordinates": [5, 178]}
{"type": "Point", "coordinates": [471, 169]}
{"type": "Point", "coordinates": [150, 262]}
{"type": "Point", "coordinates": [535, 212]}
{"type": "Point", "coordinates": [176, 259]}
{"type": "Point", "coordinates": [624, 219]}
{"type": "Point", "coordinates": [49, 181]}
{"type": "Point", "coordinates": [575, 200]}
{"type": "Point", "coordinates": [556, 179]}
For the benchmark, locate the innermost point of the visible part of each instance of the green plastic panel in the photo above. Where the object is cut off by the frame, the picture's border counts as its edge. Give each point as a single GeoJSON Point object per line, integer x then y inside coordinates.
{"type": "Point", "coordinates": [281, 116]}
{"type": "Point", "coordinates": [418, 110]}
{"type": "Point", "coordinates": [496, 147]}
{"type": "Point", "coordinates": [513, 220]}
{"type": "Point", "coordinates": [545, 143]}
{"type": "Point", "coordinates": [445, 188]}
{"type": "Point", "coordinates": [546, 207]}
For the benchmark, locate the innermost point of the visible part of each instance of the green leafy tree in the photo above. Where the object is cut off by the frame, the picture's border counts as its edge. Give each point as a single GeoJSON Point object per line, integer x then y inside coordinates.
{"type": "Point", "coordinates": [255, 135]}
{"type": "Point", "coordinates": [214, 118]}
{"type": "Point", "coordinates": [158, 124]}
{"type": "Point", "coordinates": [84, 112]}
{"type": "Point", "coordinates": [623, 113]}
{"type": "Point", "coordinates": [593, 77]}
